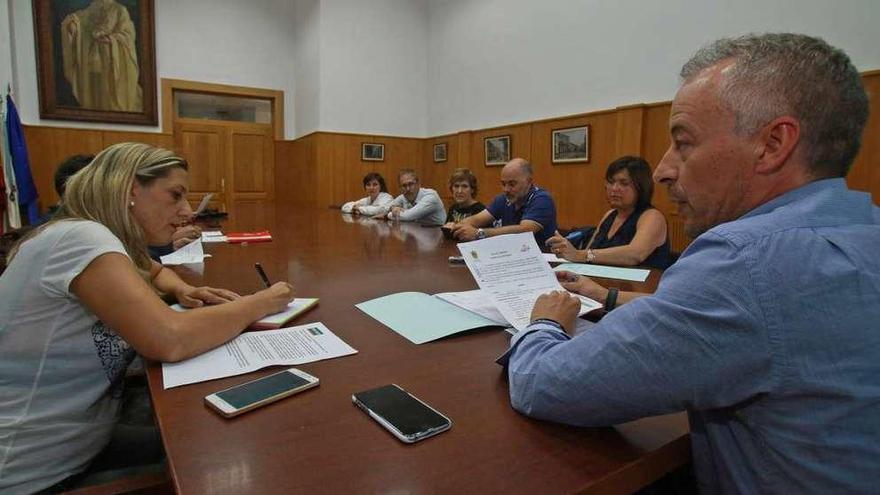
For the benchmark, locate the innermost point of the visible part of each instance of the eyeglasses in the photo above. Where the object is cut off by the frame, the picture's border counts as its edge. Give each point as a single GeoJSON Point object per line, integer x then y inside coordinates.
{"type": "Point", "coordinates": [407, 185]}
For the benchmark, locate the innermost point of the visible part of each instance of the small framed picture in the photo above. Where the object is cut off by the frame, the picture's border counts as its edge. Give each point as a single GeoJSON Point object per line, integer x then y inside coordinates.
{"type": "Point", "coordinates": [439, 152]}
{"type": "Point", "coordinates": [571, 145]}
{"type": "Point", "coordinates": [372, 152]}
{"type": "Point", "coordinates": [497, 150]}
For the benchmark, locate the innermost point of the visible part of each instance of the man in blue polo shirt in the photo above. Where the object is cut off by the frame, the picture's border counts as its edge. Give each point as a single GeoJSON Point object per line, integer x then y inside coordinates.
{"type": "Point", "coordinates": [522, 207]}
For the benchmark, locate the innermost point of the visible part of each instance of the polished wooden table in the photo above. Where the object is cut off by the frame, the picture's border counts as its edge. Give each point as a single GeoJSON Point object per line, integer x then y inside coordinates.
{"type": "Point", "coordinates": [319, 442]}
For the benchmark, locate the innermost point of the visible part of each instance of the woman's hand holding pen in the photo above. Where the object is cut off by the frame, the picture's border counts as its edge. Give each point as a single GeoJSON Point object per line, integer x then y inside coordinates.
{"type": "Point", "coordinates": [562, 248]}
{"type": "Point", "coordinates": [276, 297]}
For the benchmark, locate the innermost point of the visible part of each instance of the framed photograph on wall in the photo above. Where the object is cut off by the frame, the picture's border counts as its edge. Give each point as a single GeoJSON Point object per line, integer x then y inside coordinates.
{"type": "Point", "coordinates": [440, 152]}
{"type": "Point", "coordinates": [96, 60]}
{"type": "Point", "coordinates": [571, 145]}
{"type": "Point", "coordinates": [372, 152]}
{"type": "Point", "coordinates": [497, 150]}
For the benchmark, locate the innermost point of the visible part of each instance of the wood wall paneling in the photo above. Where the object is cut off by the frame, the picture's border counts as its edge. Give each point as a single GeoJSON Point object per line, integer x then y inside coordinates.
{"type": "Point", "coordinates": [325, 168]}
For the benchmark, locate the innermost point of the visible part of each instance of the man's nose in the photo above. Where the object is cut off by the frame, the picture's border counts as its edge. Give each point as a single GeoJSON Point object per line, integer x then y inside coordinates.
{"type": "Point", "coordinates": [666, 171]}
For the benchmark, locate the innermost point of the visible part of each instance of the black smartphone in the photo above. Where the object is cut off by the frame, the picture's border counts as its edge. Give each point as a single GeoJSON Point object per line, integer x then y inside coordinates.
{"type": "Point", "coordinates": [404, 415]}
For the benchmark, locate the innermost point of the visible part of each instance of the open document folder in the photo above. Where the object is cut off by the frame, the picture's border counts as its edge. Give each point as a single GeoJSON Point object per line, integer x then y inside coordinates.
{"type": "Point", "coordinates": [422, 317]}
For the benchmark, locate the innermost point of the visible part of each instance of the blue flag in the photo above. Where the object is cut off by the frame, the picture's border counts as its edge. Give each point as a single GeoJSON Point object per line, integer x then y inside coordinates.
{"type": "Point", "coordinates": [24, 181]}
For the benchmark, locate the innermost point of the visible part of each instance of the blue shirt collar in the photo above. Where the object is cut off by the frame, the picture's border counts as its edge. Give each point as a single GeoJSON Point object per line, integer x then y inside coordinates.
{"type": "Point", "coordinates": [798, 194]}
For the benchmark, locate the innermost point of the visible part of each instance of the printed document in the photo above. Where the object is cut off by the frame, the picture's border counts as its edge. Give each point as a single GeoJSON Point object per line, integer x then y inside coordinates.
{"type": "Point", "coordinates": [191, 253]}
{"type": "Point", "coordinates": [513, 272]}
{"type": "Point", "coordinates": [254, 350]}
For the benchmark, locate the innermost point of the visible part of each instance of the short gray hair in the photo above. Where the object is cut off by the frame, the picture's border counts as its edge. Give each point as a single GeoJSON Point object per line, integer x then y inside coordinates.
{"type": "Point", "coordinates": [778, 74]}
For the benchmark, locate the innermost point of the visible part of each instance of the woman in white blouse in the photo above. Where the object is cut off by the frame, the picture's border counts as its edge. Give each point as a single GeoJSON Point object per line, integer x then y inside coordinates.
{"type": "Point", "coordinates": [80, 296]}
{"type": "Point", "coordinates": [377, 197]}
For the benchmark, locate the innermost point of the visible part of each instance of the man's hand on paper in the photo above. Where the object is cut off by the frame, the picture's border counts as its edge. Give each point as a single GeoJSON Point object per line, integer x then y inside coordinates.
{"type": "Point", "coordinates": [184, 235]}
{"type": "Point", "coordinates": [196, 297]}
{"type": "Point", "coordinates": [558, 306]}
{"type": "Point", "coordinates": [582, 285]}
{"type": "Point", "coordinates": [277, 297]}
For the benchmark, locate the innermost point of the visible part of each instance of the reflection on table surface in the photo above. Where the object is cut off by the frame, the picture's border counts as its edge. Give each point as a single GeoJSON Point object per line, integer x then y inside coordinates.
{"type": "Point", "coordinates": [318, 442]}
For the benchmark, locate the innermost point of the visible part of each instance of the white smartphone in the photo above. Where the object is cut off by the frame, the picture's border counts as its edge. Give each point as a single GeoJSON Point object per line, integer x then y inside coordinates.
{"type": "Point", "coordinates": [404, 415]}
{"type": "Point", "coordinates": [253, 394]}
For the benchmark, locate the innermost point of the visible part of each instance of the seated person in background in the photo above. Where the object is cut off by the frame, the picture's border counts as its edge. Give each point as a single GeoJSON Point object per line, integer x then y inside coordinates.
{"type": "Point", "coordinates": [765, 330]}
{"type": "Point", "coordinates": [522, 207]}
{"type": "Point", "coordinates": [68, 167]}
{"type": "Point", "coordinates": [79, 299]}
{"type": "Point", "coordinates": [463, 186]}
{"type": "Point", "coordinates": [632, 232]}
{"type": "Point", "coordinates": [377, 197]}
{"type": "Point", "coordinates": [181, 237]}
{"type": "Point", "coordinates": [415, 203]}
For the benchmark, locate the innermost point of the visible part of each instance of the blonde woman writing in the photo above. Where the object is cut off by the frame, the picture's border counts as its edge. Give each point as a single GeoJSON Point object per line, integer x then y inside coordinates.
{"type": "Point", "coordinates": [79, 299]}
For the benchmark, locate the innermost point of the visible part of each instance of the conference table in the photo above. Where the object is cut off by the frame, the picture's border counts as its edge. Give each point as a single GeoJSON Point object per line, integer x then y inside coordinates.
{"type": "Point", "coordinates": [319, 442]}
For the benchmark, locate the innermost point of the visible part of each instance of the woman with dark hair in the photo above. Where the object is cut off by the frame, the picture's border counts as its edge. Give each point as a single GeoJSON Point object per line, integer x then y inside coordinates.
{"type": "Point", "coordinates": [632, 232]}
{"type": "Point", "coordinates": [377, 197]}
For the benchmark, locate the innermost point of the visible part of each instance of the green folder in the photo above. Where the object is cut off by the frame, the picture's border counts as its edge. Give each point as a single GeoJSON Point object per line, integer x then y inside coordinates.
{"type": "Point", "coordinates": [632, 274]}
{"type": "Point", "coordinates": [422, 317]}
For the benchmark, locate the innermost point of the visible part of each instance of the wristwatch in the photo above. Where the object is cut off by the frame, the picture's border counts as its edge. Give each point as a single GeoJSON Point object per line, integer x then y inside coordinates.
{"type": "Point", "coordinates": [591, 256]}
{"type": "Point", "coordinates": [481, 234]}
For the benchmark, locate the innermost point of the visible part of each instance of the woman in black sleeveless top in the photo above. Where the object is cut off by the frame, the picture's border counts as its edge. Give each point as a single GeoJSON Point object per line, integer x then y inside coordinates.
{"type": "Point", "coordinates": [633, 232]}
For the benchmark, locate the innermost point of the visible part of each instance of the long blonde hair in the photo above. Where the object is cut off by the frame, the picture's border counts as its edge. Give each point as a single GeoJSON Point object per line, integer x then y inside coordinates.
{"type": "Point", "coordinates": [100, 192]}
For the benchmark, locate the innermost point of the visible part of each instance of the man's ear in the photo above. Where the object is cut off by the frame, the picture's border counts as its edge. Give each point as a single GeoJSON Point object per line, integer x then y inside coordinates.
{"type": "Point", "coordinates": [776, 144]}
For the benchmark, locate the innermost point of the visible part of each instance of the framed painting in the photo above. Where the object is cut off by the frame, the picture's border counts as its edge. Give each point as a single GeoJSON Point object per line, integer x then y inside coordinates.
{"type": "Point", "coordinates": [497, 150]}
{"type": "Point", "coordinates": [571, 145]}
{"type": "Point", "coordinates": [372, 152]}
{"type": "Point", "coordinates": [96, 60]}
{"type": "Point", "coordinates": [440, 152]}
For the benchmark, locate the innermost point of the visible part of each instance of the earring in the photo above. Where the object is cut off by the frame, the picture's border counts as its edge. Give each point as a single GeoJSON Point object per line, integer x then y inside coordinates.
{"type": "Point", "coordinates": [131, 204]}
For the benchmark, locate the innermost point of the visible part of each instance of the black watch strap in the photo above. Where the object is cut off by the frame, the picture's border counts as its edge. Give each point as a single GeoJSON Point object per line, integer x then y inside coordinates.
{"type": "Point", "coordinates": [611, 299]}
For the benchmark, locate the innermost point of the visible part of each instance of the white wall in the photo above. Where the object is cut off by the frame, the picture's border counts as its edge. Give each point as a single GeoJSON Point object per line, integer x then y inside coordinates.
{"type": "Point", "coordinates": [307, 67]}
{"type": "Point", "coordinates": [428, 67]}
{"type": "Point", "coordinates": [218, 41]}
{"type": "Point", "coordinates": [374, 66]}
{"type": "Point", "coordinates": [5, 49]}
{"type": "Point", "coordinates": [495, 62]}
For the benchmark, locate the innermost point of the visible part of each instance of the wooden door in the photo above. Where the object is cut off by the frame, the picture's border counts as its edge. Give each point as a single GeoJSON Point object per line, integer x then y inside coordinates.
{"type": "Point", "coordinates": [235, 161]}
{"type": "Point", "coordinates": [252, 170]}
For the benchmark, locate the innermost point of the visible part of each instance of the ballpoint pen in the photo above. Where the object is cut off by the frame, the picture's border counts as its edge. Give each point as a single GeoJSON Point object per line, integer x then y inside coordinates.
{"type": "Point", "coordinates": [262, 274]}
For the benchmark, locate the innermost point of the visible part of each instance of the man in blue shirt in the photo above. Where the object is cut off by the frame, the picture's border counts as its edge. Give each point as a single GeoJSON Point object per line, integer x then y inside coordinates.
{"type": "Point", "coordinates": [522, 207]}
{"type": "Point", "coordinates": [766, 329]}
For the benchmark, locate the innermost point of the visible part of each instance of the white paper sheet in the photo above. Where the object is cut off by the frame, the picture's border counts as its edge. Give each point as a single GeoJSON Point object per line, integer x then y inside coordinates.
{"type": "Point", "coordinates": [213, 236]}
{"type": "Point", "coordinates": [254, 350]}
{"type": "Point", "coordinates": [512, 272]}
{"type": "Point", "coordinates": [191, 253]}
{"type": "Point", "coordinates": [475, 301]}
